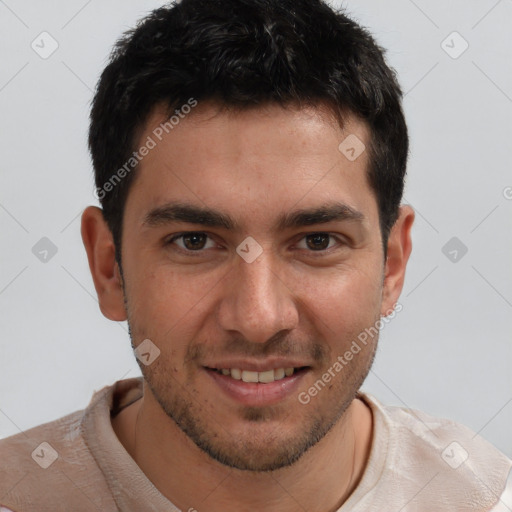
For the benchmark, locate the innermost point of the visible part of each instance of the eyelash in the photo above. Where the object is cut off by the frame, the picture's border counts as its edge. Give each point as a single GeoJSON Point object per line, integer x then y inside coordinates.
{"type": "Point", "coordinates": [199, 252]}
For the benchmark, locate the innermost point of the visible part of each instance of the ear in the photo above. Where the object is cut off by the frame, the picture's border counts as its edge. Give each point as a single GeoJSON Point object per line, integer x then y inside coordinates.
{"type": "Point", "coordinates": [399, 250]}
{"type": "Point", "coordinates": [99, 244]}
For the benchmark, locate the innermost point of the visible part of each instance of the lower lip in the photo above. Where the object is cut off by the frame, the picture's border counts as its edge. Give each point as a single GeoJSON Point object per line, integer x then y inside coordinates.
{"type": "Point", "coordinates": [258, 394]}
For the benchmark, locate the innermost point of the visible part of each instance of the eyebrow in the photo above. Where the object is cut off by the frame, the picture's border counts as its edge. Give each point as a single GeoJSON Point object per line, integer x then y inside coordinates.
{"type": "Point", "coordinates": [189, 213]}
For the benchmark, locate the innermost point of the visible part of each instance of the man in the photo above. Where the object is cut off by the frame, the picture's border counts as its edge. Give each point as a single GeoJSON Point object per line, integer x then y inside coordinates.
{"type": "Point", "coordinates": [249, 157]}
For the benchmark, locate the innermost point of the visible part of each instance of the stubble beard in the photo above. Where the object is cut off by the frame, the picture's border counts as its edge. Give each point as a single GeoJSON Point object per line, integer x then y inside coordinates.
{"type": "Point", "coordinates": [251, 449]}
{"type": "Point", "coordinates": [251, 452]}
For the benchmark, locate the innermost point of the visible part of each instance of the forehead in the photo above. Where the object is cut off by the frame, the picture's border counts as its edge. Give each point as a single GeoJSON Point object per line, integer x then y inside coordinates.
{"type": "Point", "coordinates": [255, 160]}
{"type": "Point", "coordinates": [261, 130]}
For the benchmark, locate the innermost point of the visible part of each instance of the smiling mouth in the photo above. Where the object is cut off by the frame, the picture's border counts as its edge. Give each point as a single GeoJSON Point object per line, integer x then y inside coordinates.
{"type": "Point", "coordinates": [264, 377]}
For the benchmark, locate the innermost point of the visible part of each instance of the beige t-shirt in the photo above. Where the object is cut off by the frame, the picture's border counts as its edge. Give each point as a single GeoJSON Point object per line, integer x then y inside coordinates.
{"type": "Point", "coordinates": [417, 463]}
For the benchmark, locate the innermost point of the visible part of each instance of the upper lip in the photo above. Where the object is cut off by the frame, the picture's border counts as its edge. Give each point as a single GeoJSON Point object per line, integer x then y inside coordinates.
{"type": "Point", "coordinates": [254, 365]}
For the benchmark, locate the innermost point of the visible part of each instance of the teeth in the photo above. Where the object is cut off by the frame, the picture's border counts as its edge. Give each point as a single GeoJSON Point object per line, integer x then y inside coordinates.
{"type": "Point", "coordinates": [267, 376]}
{"type": "Point", "coordinates": [249, 376]}
{"type": "Point", "coordinates": [236, 373]}
{"type": "Point", "coordinates": [263, 377]}
{"type": "Point", "coordinates": [279, 373]}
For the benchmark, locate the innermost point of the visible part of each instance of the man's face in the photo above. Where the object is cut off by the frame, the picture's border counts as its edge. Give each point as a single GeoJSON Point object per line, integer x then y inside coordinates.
{"type": "Point", "coordinates": [300, 303]}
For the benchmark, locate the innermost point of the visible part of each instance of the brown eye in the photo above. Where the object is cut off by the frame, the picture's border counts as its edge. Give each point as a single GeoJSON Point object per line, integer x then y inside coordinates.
{"type": "Point", "coordinates": [318, 241]}
{"type": "Point", "coordinates": [191, 242]}
{"type": "Point", "coordinates": [194, 241]}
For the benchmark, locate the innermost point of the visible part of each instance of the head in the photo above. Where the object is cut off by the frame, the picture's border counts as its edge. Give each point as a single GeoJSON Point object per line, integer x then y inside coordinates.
{"type": "Point", "coordinates": [272, 130]}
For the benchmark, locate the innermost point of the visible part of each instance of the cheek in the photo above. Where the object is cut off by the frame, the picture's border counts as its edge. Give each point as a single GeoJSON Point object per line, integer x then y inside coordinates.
{"type": "Point", "coordinates": [167, 307]}
{"type": "Point", "coordinates": [345, 298]}
{"type": "Point", "coordinates": [160, 291]}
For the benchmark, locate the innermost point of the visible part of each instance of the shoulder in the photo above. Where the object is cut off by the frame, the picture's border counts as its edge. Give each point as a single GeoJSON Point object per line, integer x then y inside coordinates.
{"type": "Point", "coordinates": [50, 460]}
{"type": "Point", "coordinates": [436, 463]}
{"type": "Point", "coordinates": [36, 444]}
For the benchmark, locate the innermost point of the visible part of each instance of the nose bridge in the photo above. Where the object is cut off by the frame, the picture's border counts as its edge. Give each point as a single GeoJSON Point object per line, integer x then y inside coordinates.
{"type": "Point", "coordinates": [257, 302]}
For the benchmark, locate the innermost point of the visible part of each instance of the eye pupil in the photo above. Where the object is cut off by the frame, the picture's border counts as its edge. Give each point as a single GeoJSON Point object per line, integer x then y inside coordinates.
{"type": "Point", "coordinates": [193, 238]}
{"type": "Point", "coordinates": [320, 241]}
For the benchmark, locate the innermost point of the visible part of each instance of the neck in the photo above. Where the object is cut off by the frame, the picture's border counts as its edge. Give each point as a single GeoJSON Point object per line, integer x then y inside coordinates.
{"type": "Point", "coordinates": [192, 480]}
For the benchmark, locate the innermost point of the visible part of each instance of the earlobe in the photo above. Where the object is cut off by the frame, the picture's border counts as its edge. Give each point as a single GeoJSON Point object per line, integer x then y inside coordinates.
{"type": "Point", "coordinates": [399, 250]}
{"type": "Point", "coordinates": [99, 245]}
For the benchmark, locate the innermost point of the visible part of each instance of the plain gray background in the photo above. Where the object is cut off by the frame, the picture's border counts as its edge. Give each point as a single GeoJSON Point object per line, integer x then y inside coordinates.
{"type": "Point", "coordinates": [449, 351]}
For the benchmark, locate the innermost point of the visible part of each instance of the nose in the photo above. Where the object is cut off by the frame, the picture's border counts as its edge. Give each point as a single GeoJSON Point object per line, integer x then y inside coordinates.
{"type": "Point", "coordinates": [258, 301]}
